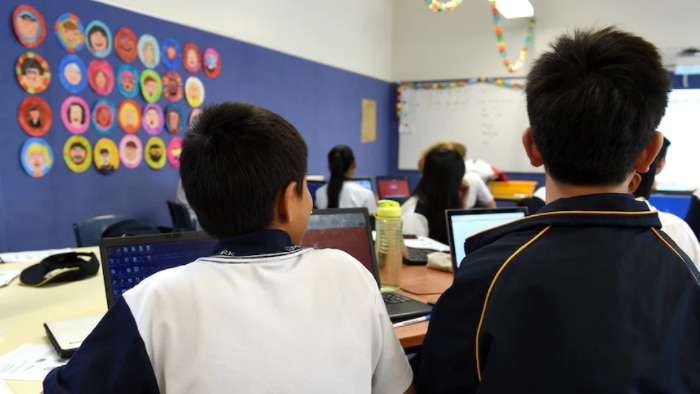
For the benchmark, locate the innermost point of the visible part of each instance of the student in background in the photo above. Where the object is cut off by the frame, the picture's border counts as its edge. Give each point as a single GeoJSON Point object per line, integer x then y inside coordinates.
{"type": "Point", "coordinates": [340, 191]}
{"type": "Point", "coordinates": [441, 187]}
{"type": "Point", "coordinates": [261, 315]}
{"type": "Point", "coordinates": [589, 296]}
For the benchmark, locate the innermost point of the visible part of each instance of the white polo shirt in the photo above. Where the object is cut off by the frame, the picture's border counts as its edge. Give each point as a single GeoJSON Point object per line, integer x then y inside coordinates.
{"type": "Point", "coordinates": [352, 195]}
{"type": "Point", "coordinates": [478, 190]}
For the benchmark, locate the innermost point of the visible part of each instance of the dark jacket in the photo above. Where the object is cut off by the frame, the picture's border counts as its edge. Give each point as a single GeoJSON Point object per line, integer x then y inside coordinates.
{"type": "Point", "coordinates": [586, 296]}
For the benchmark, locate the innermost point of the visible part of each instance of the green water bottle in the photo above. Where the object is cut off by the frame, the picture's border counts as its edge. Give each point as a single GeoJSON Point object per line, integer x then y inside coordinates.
{"type": "Point", "coordinates": [389, 244]}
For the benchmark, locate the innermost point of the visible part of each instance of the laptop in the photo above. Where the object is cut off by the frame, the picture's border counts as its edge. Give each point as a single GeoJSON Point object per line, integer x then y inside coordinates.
{"type": "Point", "coordinates": [365, 182]}
{"type": "Point", "coordinates": [313, 185]}
{"type": "Point", "coordinates": [349, 230]}
{"type": "Point", "coordinates": [463, 223]}
{"type": "Point", "coordinates": [393, 187]}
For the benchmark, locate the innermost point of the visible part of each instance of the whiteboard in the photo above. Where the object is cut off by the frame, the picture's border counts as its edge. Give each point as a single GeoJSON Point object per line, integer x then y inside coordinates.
{"type": "Point", "coordinates": [489, 119]}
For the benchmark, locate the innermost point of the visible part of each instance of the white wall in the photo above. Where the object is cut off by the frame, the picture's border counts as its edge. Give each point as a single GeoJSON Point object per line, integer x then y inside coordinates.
{"type": "Point", "coordinates": [462, 43]}
{"type": "Point", "coordinates": [354, 35]}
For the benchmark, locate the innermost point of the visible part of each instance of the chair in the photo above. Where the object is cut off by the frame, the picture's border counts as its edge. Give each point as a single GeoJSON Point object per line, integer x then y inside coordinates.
{"type": "Point", "coordinates": [88, 232]}
{"type": "Point", "coordinates": [128, 227]}
{"type": "Point", "coordinates": [180, 215]}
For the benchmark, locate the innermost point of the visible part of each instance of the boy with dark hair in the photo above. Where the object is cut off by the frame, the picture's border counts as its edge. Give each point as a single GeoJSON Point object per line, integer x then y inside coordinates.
{"type": "Point", "coordinates": [261, 315]}
{"type": "Point", "coordinates": [587, 295]}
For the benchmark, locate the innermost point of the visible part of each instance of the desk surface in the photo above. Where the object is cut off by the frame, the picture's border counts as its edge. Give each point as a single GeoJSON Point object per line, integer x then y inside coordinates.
{"type": "Point", "coordinates": [24, 310]}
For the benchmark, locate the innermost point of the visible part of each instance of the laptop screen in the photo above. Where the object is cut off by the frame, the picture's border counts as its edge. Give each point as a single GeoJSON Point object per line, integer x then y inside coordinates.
{"type": "Point", "coordinates": [364, 182]}
{"type": "Point", "coordinates": [313, 186]}
{"type": "Point", "coordinates": [127, 261]}
{"type": "Point", "coordinates": [393, 188]}
{"type": "Point", "coordinates": [463, 223]}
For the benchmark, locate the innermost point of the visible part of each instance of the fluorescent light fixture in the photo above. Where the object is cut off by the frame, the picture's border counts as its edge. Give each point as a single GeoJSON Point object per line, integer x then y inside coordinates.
{"type": "Point", "coordinates": [512, 9]}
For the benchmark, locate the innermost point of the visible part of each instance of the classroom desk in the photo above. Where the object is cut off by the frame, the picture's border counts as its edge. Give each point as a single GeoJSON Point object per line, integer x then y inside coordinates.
{"type": "Point", "coordinates": [23, 310]}
{"type": "Point", "coordinates": [510, 197]}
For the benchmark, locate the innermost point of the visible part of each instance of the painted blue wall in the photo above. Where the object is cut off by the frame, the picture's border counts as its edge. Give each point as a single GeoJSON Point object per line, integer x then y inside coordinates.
{"type": "Point", "coordinates": [324, 103]}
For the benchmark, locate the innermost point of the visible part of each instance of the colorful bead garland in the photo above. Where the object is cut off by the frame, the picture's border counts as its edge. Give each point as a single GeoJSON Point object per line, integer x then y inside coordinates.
{"type": "Point", "coordinates": [436, 6]}
{"type": "Point", "coordinates": [451, 85]}
{"type": "Point", "coordinates": [502, 45]}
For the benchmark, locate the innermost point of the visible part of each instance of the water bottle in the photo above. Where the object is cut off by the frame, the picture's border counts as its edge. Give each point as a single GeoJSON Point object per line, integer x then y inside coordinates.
{"type": "Point", "coordinates": [389, 244]}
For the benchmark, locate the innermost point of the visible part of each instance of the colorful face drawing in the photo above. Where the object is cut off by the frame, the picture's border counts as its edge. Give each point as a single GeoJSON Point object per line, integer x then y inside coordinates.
{"type": "Point", "coordinates": [130, 151]}
{"type": "Point", "coordinates": [129, 116]}
{"type": "Point", "coordinates": [152, 119]}
{"type": "Point", "coordinates": [191, 58]}
{"type": "Point", "coordinates": [151, 86]}
{"type": "Point", "coordinates": [36, 157]}
{"type": "Point", "coordinates": [99, 39]}
{"type": "Point", "coordinates": [77, 153]}
{"type": "Point", "coordinates": [33, 73]}
{"type": "Point", "coordinates": [34, 116]}
{"type": "Point", "coordinates": [174, 150]}
{"type": "Point", "coordinates": [174, 118]}
{"type": "Point", "coordinates": [171, 53]}
{"type": "Point", "coordinates": [149, 51]}
{"type": "Point", "coordinates": [155, 153]}
{"type": "Point", "coordinates": [29, 26]}
{"type": "Point", "coordinates": [75, 115]}
{"type": "Point", "coordinates": [69, 31]}
{"type": "Point", "coordinates": [125, 45]}
{"type": "Point", "coordinates": [106, 156]}
{"type": "Point", "coordinates": [212, 63]}
{"type": "Point", "coordinates": [194, 91]}
{"type": "Point", "coordinates": [172, 86]}
{"type": "Point", "coordinates": [127, 80]}
{"type": "Point", "coordinates": [103, 116]}
{"type": "Point", "coordinates": [101, 77]}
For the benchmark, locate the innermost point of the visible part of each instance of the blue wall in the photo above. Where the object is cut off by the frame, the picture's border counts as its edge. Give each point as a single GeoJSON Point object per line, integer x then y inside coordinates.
{"type": "Point", "coordinates": [324, 103]}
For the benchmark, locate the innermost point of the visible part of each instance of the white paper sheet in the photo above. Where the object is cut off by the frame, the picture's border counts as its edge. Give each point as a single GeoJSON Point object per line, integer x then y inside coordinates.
{"type": "Point", "coordinates": [6, 277]}
{"type": "Point", "coordinates": [4, 388]}
{"type": "Point", "coordinates": [425, 243]}
{"type": "Point", "coordinates": [29, 362]}
{"type": "Point", "coordinates": [29, 256]}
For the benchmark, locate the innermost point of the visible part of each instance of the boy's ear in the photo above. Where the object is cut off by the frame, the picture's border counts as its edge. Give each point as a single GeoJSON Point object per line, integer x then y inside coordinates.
{"type": "Point", "coordinates": [634, 182]}
{"type": "Point", "coordinates": [530, 149]}
{"type": "Point", "coordinates": [283, 204]}
{"type": "Point", "coordinates": [649, 153]}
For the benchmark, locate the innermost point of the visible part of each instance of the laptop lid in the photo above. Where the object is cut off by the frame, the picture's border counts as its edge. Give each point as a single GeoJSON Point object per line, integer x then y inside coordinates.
{"type": "Point", "coordinates": [129, 260]}
{"type": "Point", "coordinates": [393, 187]}
{"type": "Point", "coordinates": [463, 223]}
{"type": "Point", "coordinates": [365, 182]}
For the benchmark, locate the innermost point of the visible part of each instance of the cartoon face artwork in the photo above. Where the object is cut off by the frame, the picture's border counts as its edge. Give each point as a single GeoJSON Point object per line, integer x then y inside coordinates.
{"type": "Point", "coordinates": [75, 115]}
{"type": "Point", "coordinates": [101, 77]}
{"type": "Point", "coordinates": [170, 53]}
{"type": "Point", "coordinates": [129, 116]}
{"type": "Point", "coordinates": [191, 58]}
{"type": "Point", "coordinates": [174, 118]}
{"type": "Point", "coordinates": [128, 81]}
{"type": "Point", "coordinates": [98, 39]}
{"type": "Point", "coordinates": [212, 63]}
{"type": "Point", "coordinates": [72, 73]}
{"type": "Point", "coordinates": [104, 116]}
{"type": "Point", "coordinates": [33, 73]}
{"type": "Point", "coordinates": [172, 86]}
{"type": "Point", "coordinates": [130, 151]}
{"type": "Point", "coordinates": [154, 153]}
{"type": "Point", "coordinates": [151, 86]}
{"type": "Point", "coordinates": [69, 32]}
{"type": "Point", "coordinates": [174, 151]}
{"type": "Point", "coordinates": [35, 116]}
{"type": "Point", "coordinates": [152, 119]}
{"type": "Point", "coordinates": [125, 45]}
{"type": "Point", "coordinates": [149, 51]}
{"type": "Point", "coordinates": [106, 156]}
{"type": "Point", "coordinates": [194, 92]}
{"type": "Point", "coordinates": [77, 153]}
{"type": "Point", "coordinates": [29, 26]}
{"type": "Point", "coordinates": [36, 157]}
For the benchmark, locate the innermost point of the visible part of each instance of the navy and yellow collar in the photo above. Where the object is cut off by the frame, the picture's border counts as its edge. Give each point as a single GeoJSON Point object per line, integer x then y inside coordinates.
{"type": "Point", "coordinates": [263, 242]}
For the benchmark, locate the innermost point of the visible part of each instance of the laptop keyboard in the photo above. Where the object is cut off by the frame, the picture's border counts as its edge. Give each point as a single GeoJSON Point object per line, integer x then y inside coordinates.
{"type": "Point", "coordinates": [419, 255]}
{"type": "Point", "coordinates": [393, 298]}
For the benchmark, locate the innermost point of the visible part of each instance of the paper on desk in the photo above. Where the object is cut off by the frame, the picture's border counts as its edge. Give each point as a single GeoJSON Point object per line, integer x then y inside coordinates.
{"type": "Point", "coordinates": [6, 277]}
{"type": "Point", "coordinates": [29, 362]}
{"type": "Point", "coordinates": [425, 243]}
{"type": "Point", "coordinates": [31, 255]}
{"type": "Point", "coordinates": [4, 388]}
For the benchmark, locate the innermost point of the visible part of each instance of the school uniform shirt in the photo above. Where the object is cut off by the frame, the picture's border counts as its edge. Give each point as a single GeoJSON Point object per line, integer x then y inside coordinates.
{"type": "Point", "coordinates": [262, 316]}
{"type": "Point", "coordinates": [680, 232]}
{"type": "Point", "coordinates": [351, 195]}
{"type": "Point", "coordinates": [413, 222]}
{"type": "Point", "coordinates": [586, 296]}
{"type": "Point", "coordinates": [479, 192]}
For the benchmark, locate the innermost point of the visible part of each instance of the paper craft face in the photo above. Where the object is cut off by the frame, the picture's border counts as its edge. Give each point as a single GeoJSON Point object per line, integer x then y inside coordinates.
{"type": "Point", "coordinates": [154, 153]}
{"type": "Point", "coordinates": [99, 39]}
{"type": "Point", "coordinates": [174, 151]}
{"type": "Point", "coordinates": [194, 91]}
{"type": "Point", "coordinates": [125, 45]}
{"type": "Point", "coordinates": [212, 63]}
{"type": "Point", "coordinates": [34, 116]}
{"type": "Point", "coordinates": [75, 115]}
{"type": "Point", "coordinates": [129, 116]}
{"type": "Point", "coordinates": [29, 26]}
{"type": "Point", "coordinates": [152, 119]}
{"type": "Point", "coordinates": [73, 74]}
{"type": "Point", "coordinates": [191, 58]}
{"type": "Point", "coordinates": [37, 157]}
{"type": "Point", "coordinates": [101, 77]}
{"type": "Point", "coordinates": [171, 53]}
{"type": "Point", "coordinates": [106, 156]}
{"type": "Point", "coordinates": [33, 72]}
{"type": "Point", "coordinates": [130, 151]}
{"type": "Point", "coordinates": [127, 77]}
{"type": "Point", "coordinates": [172, 86]}
{"type": "Point", "coordinates": [151, 86]}
{"type": "Point", "coordinates": [103, 116]}
{"type": "Point", "coordinates": [174, 121]}
{"type": "Point", "coordinates": [149, 51]}
{"type": "Point", "coordinates": [69, 31]}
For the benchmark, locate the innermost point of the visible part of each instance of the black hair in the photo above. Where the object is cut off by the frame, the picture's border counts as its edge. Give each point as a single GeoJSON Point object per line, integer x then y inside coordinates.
{"type": "Point", "coordinates": [236, 160]}
{"type": "Point", "coordinates": [28, 17]}
{"type": "Point", "coordinates": [594, 102]}
{"type": "Point", "coordinates": [31, 63]}
{"type": "Point", "coordinates": [97, 29]}
{"type": "Point", "coordinates": [82, 111]}
{"type": "Point", "coordinates": [663, 150]}
{"type": "Point", "coordinates": [79, 145]}
{"type": "Point", "coordinates": [438, 189]}
{"type": "Point", "coordinates": [340, 159]}
{"type": "Point", "coordinates": [104, 150]}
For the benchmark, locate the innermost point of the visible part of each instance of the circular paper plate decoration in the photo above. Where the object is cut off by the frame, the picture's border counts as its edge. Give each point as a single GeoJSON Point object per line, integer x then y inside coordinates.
{"type": "Point", "coordinates": [77, 153]}
{"type": "Point", "coordinates": [33, 72]}
{"type": "Point", "coordinates": [212, 63]}
{"type": "Point", "coordinates": [155, 153]}
{"type": "Point", "coordinates": [191, 58]}
{"type": "Point", "coordinates": [149, 51]}
{"type": "Point", "coordinates": [104, 116]}
{"type": "Point", "coordinates": [174, 150]}
{"type": "Point", "coordinates": [101, 77]}
{"type": "Point", "coordinates": [34, 116]}
{"type": "Point", "coordinates": [129, 116]}
{"type": "Point", "coordinates": [128, 80]}
{"type": "Point", "coordinates": [69, 31]}
{"type": "Point", "coordinates": [125, 45]}
{"type": "Point", "coordinates": [75, 115]}
{"type": "Point", "coordinates": [174, 118]}
{"type": "Point", "coordinates": [172, 86]}
{"type": "Point", "coordinates": [72, 73]}
{"type": "Point", "coordinates": [193, 116]}
{"type": "Point", "coordinates": [194, 91]}
{"type": "Point", "coordinates": [130, 151]}
{"type": "Point", "coordinates": [170, 53]}
{"type": "Point", "coordinates": [151, 86]}
{"type": "Point", "coordinates": [152, 119]}
{"type": "Point", "coordinates": [106, 156]}
{"type": "Point", "coordinates": [29, 25]}
{"type": "Point", "coordinates": [36, 157]}
{"type": "Point", "coordinates": [98, 39]}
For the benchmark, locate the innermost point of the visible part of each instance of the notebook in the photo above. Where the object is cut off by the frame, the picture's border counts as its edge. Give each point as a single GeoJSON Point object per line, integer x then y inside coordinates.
{"type": "Point", "coordinates": [349, 230]}
{"type": "Point", "coordinates": [463, 223]}
{"type": "Point", "coordinates": [365, 182]}
{"type": "Point", "coordinates": [393, 187]}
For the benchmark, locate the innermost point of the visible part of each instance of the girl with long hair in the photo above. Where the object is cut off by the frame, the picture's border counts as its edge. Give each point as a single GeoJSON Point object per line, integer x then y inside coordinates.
{"type": "Point", "coordinates": [340, 191]}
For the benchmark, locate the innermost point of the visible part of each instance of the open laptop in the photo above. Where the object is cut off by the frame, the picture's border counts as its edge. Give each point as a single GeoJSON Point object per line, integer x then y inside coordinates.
{"type": "Point", "coordinates": [349, 230]}
{"type": "Point", "coordinates": [463, 223]}
{"type": "Point", "coordinates": [395, 187]}
{"type": "Point", "coordinates": [365, 182]}
{"type": "Point", "coordinates": [314, 185]}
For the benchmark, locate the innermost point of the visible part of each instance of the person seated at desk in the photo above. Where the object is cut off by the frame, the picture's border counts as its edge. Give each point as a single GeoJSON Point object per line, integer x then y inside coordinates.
{"type": "Point", "coordinates": [260, 315]}
{"type": "Point", "coordinates": [441, 187]}
{"type": "Point", "coordinates": [341, 191]}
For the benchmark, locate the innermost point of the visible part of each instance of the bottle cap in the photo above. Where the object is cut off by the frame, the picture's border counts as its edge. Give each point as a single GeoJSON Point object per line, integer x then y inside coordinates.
{"type": "Point", "coordinates": [388, 210]}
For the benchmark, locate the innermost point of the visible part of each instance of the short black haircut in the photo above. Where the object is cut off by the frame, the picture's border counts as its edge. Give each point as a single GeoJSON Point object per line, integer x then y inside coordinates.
{"type": "Point", "coordinates": [28, 17]}
{"type": "Point", "coordinates": [31, 63]}
{"type": "Point", "coordinates": [104, 150]}
{"type": "Point", "coordinates": [79, 145]}
{"type": "Point", "coordinates": [235, 161]}
{"type": "Point", "coordinates": [594, 102]}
